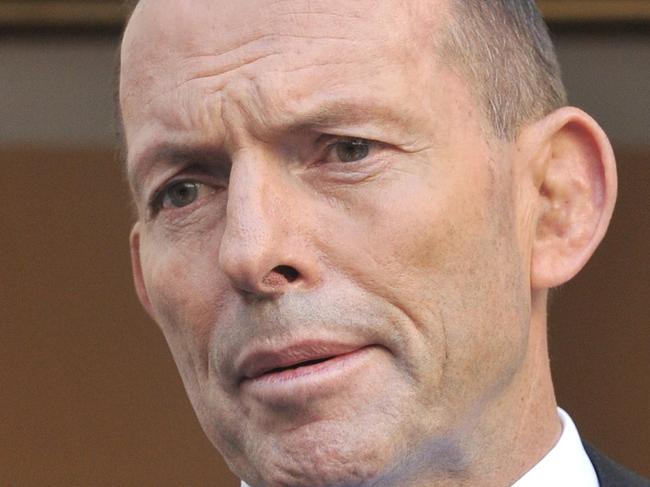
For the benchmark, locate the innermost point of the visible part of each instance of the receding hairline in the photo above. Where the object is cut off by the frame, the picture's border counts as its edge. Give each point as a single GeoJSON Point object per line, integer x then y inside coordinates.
{"type": "Point", "coordinates": [504, 51]}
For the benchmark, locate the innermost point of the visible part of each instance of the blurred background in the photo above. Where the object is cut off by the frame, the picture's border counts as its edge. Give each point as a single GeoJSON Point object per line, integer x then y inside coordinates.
{"type": "Point", "coordinates": [89, 395]}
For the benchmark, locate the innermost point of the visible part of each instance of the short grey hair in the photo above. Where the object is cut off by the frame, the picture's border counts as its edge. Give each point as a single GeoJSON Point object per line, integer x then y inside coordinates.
{"type": "Point", "coordinates": [504, 50]}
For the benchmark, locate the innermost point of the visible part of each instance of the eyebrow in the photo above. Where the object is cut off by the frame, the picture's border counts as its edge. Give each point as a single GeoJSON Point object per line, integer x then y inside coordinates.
{"type": "Point", "coordinates": [342, 112]}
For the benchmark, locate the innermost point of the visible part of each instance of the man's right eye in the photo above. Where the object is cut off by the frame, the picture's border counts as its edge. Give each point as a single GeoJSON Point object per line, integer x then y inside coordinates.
{"type": "Point", "coordinates": [180, 194]}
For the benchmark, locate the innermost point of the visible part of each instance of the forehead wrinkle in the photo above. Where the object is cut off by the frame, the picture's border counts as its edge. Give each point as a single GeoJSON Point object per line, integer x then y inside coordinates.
{"type": "Point", "coordinates": [208, 74]}
{"type": "Point", "coordinates": [198, 30]}
{"type": "Point", "coordinates": [262, 93]}
{"type": "Point", "coordinates": [189, 32]}
{"type": "Point", "coordinates": [258, 49]}
{"type": "Point", "coordinates": [247, 55]}
{"type": "Point", "coordinates": [192, 30]}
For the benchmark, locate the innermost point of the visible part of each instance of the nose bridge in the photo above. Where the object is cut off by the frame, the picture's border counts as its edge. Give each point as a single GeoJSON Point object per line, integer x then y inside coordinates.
{"type": "Point", "coordinates": [247, 200]}
{"type": "Point", "coordinates": [256, 239]}
{"type": "Point", "coordinates": [248, 227]}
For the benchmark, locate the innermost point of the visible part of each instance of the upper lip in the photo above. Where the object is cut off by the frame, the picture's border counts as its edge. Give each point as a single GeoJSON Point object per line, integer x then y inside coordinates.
{"type": "Point", "coordinates": [259, 361]}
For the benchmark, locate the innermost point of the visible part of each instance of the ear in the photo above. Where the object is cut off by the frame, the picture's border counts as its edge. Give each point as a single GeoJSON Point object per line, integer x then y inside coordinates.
{"type": "Point", "coordinates": [136, 266]}
{"type": "Point", "coordinates": [576, 189]}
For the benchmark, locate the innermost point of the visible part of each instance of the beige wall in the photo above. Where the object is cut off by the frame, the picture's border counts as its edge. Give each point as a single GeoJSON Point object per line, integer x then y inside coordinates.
{"type": "Point", "coordinates": [89, 393]}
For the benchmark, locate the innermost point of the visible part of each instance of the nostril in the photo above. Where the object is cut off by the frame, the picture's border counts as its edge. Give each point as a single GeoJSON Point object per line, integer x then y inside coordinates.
{"type": "Point", "coordinates": [288, 272]}
{"type": "Point", "coordinates": [280, 276]}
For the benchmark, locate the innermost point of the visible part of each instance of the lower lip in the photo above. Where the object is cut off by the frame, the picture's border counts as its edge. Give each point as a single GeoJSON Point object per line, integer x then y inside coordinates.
{"type": "Point", "coordinates": [311, 380]}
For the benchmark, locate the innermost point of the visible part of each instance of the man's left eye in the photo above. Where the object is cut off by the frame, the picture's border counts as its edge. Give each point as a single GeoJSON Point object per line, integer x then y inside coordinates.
{"type": "Point", "coordinates": [352, 150]}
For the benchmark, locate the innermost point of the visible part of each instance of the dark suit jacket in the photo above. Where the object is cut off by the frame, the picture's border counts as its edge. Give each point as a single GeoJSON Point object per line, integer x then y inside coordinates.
{"type": "Point", "coordinates": [611, 474]}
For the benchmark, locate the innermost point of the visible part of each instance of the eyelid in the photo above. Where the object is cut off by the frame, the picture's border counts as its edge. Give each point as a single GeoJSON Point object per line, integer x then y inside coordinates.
{"type": "Point", "coordinates": [329, 140]}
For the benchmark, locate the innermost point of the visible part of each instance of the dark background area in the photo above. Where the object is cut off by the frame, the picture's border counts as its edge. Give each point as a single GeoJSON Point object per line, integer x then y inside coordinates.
{"type": "Point", "coordinates": [89, 394]}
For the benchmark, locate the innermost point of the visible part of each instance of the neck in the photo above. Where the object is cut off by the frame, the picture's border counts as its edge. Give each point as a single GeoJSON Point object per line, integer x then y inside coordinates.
{"type": "Point", "coordinates": [529, 425]}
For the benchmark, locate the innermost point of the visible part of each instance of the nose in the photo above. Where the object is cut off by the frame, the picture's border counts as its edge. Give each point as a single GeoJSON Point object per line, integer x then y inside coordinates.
{"type": "Point", "coordinates": [265, 248]}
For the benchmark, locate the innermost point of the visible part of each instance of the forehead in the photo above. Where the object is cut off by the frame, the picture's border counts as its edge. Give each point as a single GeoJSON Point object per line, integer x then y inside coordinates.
{"type": "Point", "coordinates": [203, 37]}
{"type": "Point", "coordinates": [192, 56]}
{"type": "Point", "coordinates": [196, 23]}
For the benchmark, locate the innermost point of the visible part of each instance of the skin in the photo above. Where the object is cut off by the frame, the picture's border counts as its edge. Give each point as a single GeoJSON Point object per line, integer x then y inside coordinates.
{"type": "Point", "coordinates": [437, 248]}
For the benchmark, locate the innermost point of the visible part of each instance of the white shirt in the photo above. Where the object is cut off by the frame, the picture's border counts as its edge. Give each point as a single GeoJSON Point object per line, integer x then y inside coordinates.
{"type": "Point", "coordinates": [566, 465]}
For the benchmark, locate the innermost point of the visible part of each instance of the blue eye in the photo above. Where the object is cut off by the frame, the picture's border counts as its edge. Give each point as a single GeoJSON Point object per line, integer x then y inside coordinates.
{"type": "Point", "coordinates": [180, 194]}
{"type": "Point", "coordinates": [352, 150]}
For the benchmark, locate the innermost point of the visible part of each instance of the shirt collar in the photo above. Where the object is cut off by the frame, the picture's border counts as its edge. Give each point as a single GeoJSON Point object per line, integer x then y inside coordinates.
{"type": "Point", "coordinates": [567, 464]}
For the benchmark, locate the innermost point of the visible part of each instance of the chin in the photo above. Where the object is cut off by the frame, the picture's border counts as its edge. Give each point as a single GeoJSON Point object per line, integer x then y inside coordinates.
{"type": "Point", "coordinates": [323, 454]}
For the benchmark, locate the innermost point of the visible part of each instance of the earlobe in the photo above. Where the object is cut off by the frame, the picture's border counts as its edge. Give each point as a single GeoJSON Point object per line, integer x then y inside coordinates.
{"type": "Point", "coordinates": [576, 195]}
{"type": "Point", "coordinates": [136, 266]}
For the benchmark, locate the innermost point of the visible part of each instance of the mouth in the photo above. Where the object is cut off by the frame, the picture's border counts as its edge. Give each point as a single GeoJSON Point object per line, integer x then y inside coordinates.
{"type": "Point", "coordinates": [299, 365]}
{"type": "Point", "coordinates": [293, 361]}
{"type": "Point", "coordinates": [306, 373]}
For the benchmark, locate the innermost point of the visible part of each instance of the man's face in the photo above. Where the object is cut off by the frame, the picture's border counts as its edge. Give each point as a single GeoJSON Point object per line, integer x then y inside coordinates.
{"type": "Point", "coordinates": [327, 237]}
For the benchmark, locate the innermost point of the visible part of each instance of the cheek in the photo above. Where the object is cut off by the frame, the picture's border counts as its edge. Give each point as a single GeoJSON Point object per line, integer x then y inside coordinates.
{"type": "Point", "coordinates": [189, 304]}
{"type": "Point", "coordinates": [185, 299]}
{"type": "Point", "coordinates": [412, 236]}
{"type": "Point", "coordinates": [482, 299]}
{"type": "Point", "coordinates": [178, 264]}
{"type": "Point", "coordinates": [444, 253]}
{"type": "Point", "coordinates": [178, 291]}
